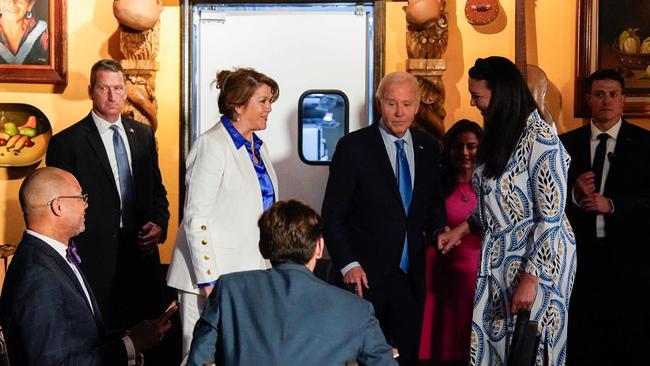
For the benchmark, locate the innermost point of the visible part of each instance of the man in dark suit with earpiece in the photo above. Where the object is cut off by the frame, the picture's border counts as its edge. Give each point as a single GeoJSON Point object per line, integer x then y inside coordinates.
{"type": "Point", "coordinates": [609, 210]}
{"type": "Point", "coordinates": [116, 163]}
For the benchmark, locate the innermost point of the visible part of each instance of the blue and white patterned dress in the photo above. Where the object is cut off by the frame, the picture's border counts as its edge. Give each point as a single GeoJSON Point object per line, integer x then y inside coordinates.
{"type": "Point", "coordinates": [525, 228]}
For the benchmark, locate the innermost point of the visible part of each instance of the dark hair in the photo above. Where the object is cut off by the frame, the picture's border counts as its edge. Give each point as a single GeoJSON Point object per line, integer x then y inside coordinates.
{"type": "Point", "coordinates": [604, 74]}
{"type": "Point", "coordinates": [238, 86]}
{"type": "Point", "coordinates": [449, 168]}
{"type": "Point", "coordinates": [289, 232]}
{"type": "Point", "coordinates": [505, 119]}
{"type": "Point", "coordinates": [104, 65]}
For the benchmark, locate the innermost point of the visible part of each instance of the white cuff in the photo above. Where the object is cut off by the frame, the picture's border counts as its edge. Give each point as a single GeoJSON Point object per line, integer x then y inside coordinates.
{"type": "Point", "coordinates": [573, 198]}
{"type": "Point", "coordinates": [345, 269]}
{"type": "Point", "coordinates": [130, 350]}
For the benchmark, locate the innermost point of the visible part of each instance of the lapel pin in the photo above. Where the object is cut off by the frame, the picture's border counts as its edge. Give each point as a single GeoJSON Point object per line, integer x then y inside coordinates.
{"type": "Point", "coordinates": [421, 148]}
{"type": "Point", "coordinates": [131, 130]}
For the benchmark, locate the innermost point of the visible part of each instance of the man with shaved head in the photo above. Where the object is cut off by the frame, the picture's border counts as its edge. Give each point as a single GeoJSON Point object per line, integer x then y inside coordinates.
{"type": "Point", "coordinates": [48, 313]}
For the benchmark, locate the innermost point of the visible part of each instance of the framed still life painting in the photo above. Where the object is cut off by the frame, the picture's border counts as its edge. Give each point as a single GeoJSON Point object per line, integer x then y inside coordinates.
{"type": "Point", "coordinates": [615, 34]}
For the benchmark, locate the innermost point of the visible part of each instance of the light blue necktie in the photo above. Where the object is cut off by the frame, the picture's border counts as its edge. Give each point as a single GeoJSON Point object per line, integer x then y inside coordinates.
{"type": "Point", "coordinates": [126, 181]}
{"type": "Point", "coordinates": [405, 191]}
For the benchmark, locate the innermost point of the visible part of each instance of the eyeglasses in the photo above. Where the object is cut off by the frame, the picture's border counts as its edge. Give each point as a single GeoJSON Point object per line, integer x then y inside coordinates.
{"type": "Point", "coordinates": [83, 197]}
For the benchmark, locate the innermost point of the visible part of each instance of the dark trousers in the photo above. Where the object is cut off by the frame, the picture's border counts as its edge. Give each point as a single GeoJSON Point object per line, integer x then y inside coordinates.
{"type": "Point", "coordinates": [137, 293]}
{"type": "Point", "coordinates": [608, 318]}
{"type": "Point", "coordinates": [399, 312]}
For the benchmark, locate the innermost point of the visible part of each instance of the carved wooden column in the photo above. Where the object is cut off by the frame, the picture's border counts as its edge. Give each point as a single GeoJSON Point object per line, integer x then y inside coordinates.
{"type": "Point", "coordinates": [139, 44]}
{"type": "Point", "coordinates": [426, 41]}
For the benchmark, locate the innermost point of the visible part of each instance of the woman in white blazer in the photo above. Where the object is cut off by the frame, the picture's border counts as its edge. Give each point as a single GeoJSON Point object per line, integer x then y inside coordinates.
{"type": "Point", "coordinates": [229, 183]}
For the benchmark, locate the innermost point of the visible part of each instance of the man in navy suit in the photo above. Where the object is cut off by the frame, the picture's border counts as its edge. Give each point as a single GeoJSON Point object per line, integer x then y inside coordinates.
{"type": "Point", "coordinates": [285, 315]}
{"type": "Point", "coordinates": [382, 196]}
{"type": "Point", "coordinates": [48, 312]}
{"type": "Point", "coordinates": [609, 210]}
{"type": "Point", "coordinates": [116, 162]}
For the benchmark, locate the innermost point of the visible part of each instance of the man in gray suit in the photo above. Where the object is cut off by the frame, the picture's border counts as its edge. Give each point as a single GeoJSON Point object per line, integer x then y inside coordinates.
{"type": "Point", "coordinates": [285, 315]}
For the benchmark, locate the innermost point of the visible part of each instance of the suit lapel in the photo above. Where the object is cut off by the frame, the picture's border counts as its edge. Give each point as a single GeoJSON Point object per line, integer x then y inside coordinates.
{"type": "Point", "coordinates": [65, 268]}
{"type": "Point", "coordinates": [135, 147]}
{"type": "Point", "coordinates": [385, 169]}
{"type": "Point", "coordinates": [582, 158]}
{"type": "Point", "coordinates": [269, 168]}
{"type": "Point", "coordinates": [97, 146]}
{"type": "Point", "coordinates": [99, 321]}
{"type": "Point", "coordinates": [418, 156]}
{"type": "Point", "coordinates": [624, 141]}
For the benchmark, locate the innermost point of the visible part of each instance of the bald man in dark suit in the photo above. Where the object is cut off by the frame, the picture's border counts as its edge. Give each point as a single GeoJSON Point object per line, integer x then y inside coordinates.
{"type": "Point", "coordinates": [48, 312]}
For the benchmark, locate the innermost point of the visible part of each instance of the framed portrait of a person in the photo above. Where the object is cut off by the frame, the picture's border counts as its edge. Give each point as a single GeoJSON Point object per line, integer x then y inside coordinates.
{"type": "Point", "coordinates": [615, 34]}
{"type": "Point", "coordinates": [33, 41]}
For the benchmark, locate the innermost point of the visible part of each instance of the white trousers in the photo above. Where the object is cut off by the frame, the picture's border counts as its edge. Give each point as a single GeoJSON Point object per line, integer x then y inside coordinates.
{"type": "Point", "coordinates": [191, 306]}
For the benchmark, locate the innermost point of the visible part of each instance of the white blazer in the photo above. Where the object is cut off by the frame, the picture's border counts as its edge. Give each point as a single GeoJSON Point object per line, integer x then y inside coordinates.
{"type": "Point", "coordinates": [223, 202]}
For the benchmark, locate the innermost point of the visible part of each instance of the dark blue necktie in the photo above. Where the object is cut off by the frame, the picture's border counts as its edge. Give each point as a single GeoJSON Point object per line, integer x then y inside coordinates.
{"type": "Point", "coordinates": [126, 181]}
{"type": "Point", "coordinates": [405, 191]}
{"type": "Point", "coordinates": [599, 160]}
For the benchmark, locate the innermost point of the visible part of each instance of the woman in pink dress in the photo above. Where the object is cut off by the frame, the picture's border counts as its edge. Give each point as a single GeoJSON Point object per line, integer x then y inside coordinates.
{"type": "Point", "coordinates": [451, 277]}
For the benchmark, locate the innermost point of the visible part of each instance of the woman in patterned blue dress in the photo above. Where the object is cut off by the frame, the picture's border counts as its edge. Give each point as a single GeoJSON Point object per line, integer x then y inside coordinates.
{"type": "Point", "coordinates": [528, 250]}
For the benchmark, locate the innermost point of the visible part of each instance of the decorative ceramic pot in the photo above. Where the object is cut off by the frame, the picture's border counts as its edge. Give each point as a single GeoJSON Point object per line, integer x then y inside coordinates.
{"type": "Point", "coordinates": [137, 14]}
{"type": "Point", "coordinates": [420, 13]}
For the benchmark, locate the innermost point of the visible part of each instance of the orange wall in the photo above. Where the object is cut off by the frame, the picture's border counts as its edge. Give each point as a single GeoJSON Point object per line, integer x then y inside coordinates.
{"type": "Point", "coordinates": [551, 46]}
{"type": "Point", "coordinates": [92, 36]}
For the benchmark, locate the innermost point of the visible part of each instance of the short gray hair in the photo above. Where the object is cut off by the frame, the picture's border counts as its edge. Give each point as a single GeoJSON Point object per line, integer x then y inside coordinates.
{"type": "Point", "coordinates": [396, 77]}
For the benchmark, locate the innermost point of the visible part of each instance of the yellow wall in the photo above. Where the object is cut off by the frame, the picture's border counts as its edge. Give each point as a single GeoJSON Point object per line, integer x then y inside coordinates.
{"type": "Point", "coordinates": [92, 36]}
{"type": "Point", "coordinates": [551, 46]}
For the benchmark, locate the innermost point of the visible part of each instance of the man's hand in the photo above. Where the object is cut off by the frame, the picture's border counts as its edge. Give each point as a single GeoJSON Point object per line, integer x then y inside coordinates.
{"type": "Point", "coordinates": [597, 203]}
{"type": "Point", "coordinates": [524, 294]}
{"type": "Point", "coordinates": [585, 187]}
{"type": "Point", "coordinates": [356, 276]}
{"type": "Point", "coordinates": [148, 236]}
{"type": "Point", "coordinates": [148, 333]}
{"type": "Point", "coordinates": [206, 290]}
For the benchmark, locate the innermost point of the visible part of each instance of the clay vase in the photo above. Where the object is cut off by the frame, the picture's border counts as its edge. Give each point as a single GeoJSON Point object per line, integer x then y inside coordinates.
{"type": "Point", "coordinates": [421, 13]}
{"type": "Point", "coordinates": [137, 14]}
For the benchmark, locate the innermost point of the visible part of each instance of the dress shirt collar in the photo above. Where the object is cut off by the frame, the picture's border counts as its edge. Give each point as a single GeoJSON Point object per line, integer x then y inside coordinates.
{"type": "Point", "coordinates": [612, 132]}
{"type": "Point", "coordinates": [237, 137]}
{"type": "Point", "coordinates": [408, 139]}
{"type": "Point", "coordinates": [292, 267]}
{"type": "Point", "coordinates": [103, 125]}
{"type": "Point", "coordinates": [56, 245]}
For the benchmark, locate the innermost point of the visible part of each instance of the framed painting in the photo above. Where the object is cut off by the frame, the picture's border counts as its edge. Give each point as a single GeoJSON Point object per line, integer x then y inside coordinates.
{"type": "Point", "coordinates": [611, 34]}
{"type": "Point", "coordinates": [33, 41]}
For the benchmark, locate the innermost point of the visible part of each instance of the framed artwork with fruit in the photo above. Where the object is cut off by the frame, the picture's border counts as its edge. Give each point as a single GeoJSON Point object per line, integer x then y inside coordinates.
{"type": "Point", "coordinates": [24, 134]}
{"type": "Point", "coordinates": [615, 34]}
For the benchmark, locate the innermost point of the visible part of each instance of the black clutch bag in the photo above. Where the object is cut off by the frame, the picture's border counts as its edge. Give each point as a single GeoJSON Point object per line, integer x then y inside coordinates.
{"type": "Point", "coordinates": [525, 341]}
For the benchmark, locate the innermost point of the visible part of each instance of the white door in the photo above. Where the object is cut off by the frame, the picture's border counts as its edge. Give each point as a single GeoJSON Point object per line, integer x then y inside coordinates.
{"type": "Point", "coordinates": [302, 47]}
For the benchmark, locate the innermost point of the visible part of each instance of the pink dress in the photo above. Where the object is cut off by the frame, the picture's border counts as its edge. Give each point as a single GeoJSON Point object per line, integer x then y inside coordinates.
{"type": "Point", "coordinates": [451, 280]}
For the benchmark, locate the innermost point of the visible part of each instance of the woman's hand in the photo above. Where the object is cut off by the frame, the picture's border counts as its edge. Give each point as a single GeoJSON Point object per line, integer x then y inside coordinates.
{"type": "Point", "coordinates": [449, 239]}
{"type": "Point", "coordinates": [524, 294]}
